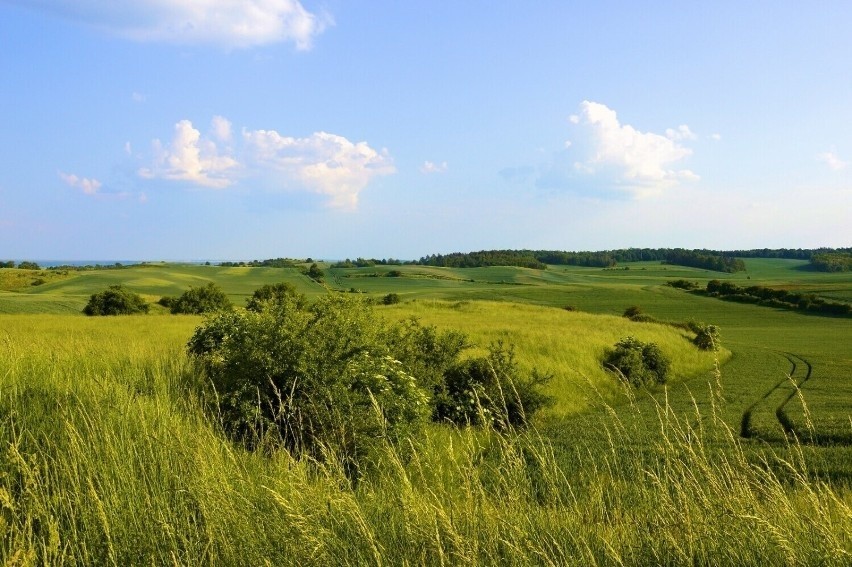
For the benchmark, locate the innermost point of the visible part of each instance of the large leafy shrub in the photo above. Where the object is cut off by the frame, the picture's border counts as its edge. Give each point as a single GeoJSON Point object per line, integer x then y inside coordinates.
{"type": "Point", "coordinates": [319, 379]}
{"type": "Point", "coordinates": [638, 363]}
{"type": "Point", "coordinates": [115, 300]}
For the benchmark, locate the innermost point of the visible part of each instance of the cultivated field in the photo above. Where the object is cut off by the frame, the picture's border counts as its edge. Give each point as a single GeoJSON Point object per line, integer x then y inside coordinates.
{"type": "Point", "coordinates": [745, 458]}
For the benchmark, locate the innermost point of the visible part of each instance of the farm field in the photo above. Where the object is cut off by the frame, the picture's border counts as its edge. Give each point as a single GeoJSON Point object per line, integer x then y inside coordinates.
{"type": "Point", "coordinates": [750, 463]}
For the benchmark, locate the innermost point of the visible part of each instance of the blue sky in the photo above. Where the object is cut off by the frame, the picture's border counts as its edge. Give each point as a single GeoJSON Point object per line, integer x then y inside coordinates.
{"type": "Point", "coordinates": [245, 129]}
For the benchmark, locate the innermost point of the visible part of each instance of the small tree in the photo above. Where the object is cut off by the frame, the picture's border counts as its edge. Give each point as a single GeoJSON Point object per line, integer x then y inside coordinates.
{"type": "Point", "coordinates": [115, 300]}
{"type": "Point", "coordinates": [198, 300]}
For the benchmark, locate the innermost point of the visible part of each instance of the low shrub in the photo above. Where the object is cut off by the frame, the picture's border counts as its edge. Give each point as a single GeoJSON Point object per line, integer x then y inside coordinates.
{"type": "Point", "coordinates": [200, 300]}
{"type": "Point", "coordinates": [115, 300]}
{"type": "Point", "coordinates": [391, 299]}
{"type": "Point", "coordinates": [490, 390]}
{"type": "Point", "coordinates": [633, 311]}
{"type": "Point", "coordinates": [319, 379]}
{"type": "Point", "coordinates": [639, 364]}
{"type": "Point", "coordinates": [706, 336]}
{"type": "Point", "coordinates": [275, 294]}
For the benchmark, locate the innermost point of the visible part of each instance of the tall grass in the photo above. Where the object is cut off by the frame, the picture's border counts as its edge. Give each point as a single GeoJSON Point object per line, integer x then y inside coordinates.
{"type": "Point", "coordinates": [106, 458]}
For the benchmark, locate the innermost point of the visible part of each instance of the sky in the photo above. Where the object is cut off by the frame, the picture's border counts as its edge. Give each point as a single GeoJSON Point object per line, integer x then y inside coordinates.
{"type": "Point", "coordinates": [251, 129]}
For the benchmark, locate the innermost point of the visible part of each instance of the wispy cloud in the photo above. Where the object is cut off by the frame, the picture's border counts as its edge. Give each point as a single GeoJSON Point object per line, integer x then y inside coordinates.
{"type": "Point", "coordinates": [432, 167]}
{"type": "Point", "coordinates": [85, 184]}
{"type": "Point", "coordinates": [618, 157]}
{"type": "Point", "coordinates": [228, 23]}
{"type": "Point", "coordinates": [322, 163]}
{"type": "Point", "coordinates": [833, 161]}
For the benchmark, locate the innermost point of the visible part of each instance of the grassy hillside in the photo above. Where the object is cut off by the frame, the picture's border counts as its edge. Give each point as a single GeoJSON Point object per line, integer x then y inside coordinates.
{"type": "Point", "coordinates": [108, 458]}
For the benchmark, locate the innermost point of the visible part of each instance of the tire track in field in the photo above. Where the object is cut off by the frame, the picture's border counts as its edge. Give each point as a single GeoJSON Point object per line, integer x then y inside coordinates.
{"type": "Point", "coordinates": [786, 423]}
{"type": "Point", "coordinates": [783, 418]}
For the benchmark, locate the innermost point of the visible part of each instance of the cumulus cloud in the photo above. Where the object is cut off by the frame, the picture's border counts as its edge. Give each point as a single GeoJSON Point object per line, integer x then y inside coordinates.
{"type": "Point", "coordinates": [640, 163]}
{"type": "Point", "coordinates": [431, 167]}
{"type": "Point", "coordinates": [228, 23]}
{"type": "Point", "coordinates": [324, 164]}
{"type": "Point", "coordinates": [833, 160]}
{"type": "Point", "coordinates": [190, 158]}
{"type": "Point", "coordinates": [86, 185]}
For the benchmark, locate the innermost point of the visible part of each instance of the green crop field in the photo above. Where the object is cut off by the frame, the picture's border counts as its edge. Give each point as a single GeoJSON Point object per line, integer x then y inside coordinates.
{"type": "Point", "coordinates": [743, 458]}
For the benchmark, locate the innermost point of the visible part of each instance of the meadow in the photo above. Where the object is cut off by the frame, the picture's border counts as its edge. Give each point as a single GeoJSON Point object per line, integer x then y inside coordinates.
{"type": "Point", "coordinates": [744, 458]}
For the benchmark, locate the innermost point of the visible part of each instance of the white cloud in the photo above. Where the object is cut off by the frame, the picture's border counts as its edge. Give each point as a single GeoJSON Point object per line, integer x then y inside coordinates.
{"type": "Point", "coordinates": [833, 160]}
{"type": "Point", "coordinates": [323, 163]}
{"type": "Point", "coordinates": [716, 137]}
{"type": "Point", "coordinates": [638, 162]}
{"type": "Point", "coordinates": [228, 23]}
{"type": "Point", "coordinates": [190, 158]}
{"type": "Point", "coordinates": [431, 167]}
{"type": "Point", "coordinates": [138, 97]}
{"type": "Point", "coordinates": [88, 186]}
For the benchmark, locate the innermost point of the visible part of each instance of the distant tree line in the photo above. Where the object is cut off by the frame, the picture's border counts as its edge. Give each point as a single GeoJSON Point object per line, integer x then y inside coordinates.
{"type": "Point", "coordinates": [25, 265]}
{"type": "Point", "coordinates": [781, 298]}
{"type": "Point", "coordinates": [705, 260]}
{"type": "Point", "coordinates": [367, 263]}
{"type": "Point", "coordinates": [539, 259]}
{"type": "Point", "coordinates": [832, 261]}
{"type": "Point", "coordinates": [268, 263]}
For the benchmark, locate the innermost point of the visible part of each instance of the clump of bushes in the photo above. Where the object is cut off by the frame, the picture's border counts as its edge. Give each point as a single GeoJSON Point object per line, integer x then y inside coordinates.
{"type": "Point", "coordinates": [115, 300]}
{"type": "Point", "coordinates": [198, 300]}
{"type": "Point", "coordinates": [683, 284]}
{"type": "Point", "coordinates": [333, 380]}
{"type": "Point", "coordinates": [638, 363]}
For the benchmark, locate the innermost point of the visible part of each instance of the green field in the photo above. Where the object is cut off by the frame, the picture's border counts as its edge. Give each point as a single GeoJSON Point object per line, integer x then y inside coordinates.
{"type": "Point", "coordinates": [108, 457]}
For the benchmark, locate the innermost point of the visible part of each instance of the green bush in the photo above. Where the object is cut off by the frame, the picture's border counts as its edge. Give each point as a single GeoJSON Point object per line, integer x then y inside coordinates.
{"type": "Point", "coordinates": [199, 300]}
{"type": "Point", "coordinates": [274, 294]}
{"type": "Point", "coordinates": [706, 336]}
{"type": "Point", "coordinates": [319, 379]}
{"type": "Point", "coordinates": [115, 300]}
{"type": "Point", "coordinates": [490, 390]}
{"type": "Point", "coordinates": [633, 312]}
{"type": "Point", "coordinates": [638, 363]}
{"type": "Point", "coordinates": [391, 299]}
